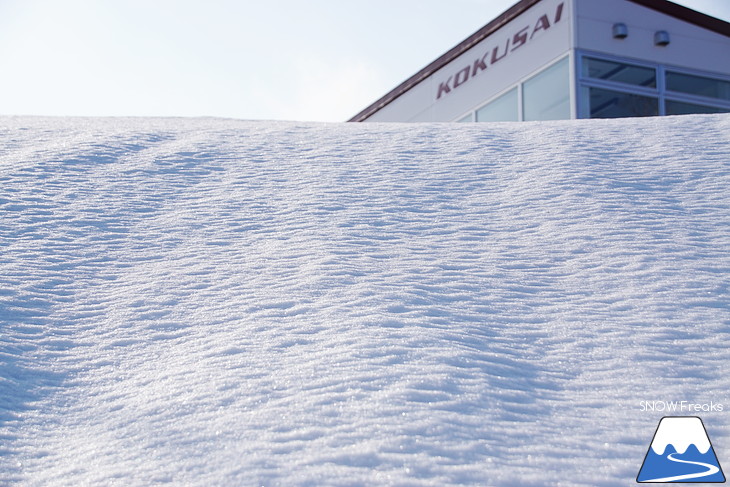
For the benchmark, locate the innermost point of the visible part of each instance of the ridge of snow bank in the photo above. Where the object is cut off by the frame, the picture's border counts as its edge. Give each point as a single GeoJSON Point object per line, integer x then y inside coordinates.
{"type": "Point", "coordinates": [218, 302]}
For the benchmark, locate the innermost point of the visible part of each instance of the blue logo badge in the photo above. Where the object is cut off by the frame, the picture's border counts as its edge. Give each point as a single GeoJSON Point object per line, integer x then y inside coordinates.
{"type": "Point", "coordinates": [680, 452]}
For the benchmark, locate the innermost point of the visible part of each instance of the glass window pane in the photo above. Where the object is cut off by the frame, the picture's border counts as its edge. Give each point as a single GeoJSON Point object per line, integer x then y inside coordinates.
{"type": "Point", "coordinates": [502, 109]}
{"type": "Point", "coordinates": [465, 119]}
{"type": "Point", "coordinates": [546, 96]}
{"type": "Point", "coordinates": [682, 108]}
{"type": "Point", "coordinates": [698, 85]}
{"type": "Point", "coordinates": [620, 72]}
{"type": "Point", "coordinates": [613, 104]}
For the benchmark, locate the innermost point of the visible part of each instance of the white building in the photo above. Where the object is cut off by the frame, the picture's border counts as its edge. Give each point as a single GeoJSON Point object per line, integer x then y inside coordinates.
{"type": "Point", "coordinates": [562, 59]}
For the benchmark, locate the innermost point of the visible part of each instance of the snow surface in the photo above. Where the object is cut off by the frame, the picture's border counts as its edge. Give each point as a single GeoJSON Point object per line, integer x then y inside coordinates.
{"type": "Point", "coordinates": [217, 302]}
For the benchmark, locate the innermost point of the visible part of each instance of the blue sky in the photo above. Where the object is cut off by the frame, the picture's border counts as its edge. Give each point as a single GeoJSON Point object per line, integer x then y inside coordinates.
{"type": "Point", "coordinates": [280, 59]}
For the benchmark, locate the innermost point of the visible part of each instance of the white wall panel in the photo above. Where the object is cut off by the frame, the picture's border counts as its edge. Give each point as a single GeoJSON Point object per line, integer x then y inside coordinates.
{"type": "Point", "coordinates": [691, 46]}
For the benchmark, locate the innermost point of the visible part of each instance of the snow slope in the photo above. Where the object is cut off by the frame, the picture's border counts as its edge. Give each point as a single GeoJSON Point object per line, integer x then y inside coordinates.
{"type": "Point", "coordinates": [215, 302]}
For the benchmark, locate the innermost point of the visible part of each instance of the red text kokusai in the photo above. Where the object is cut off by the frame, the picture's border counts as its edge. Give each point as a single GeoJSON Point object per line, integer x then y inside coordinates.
{"type": "Point", "coordinates": [499, 52]}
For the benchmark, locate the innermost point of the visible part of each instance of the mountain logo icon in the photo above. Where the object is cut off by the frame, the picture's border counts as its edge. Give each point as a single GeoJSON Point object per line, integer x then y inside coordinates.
{"type": "Point", "coordinates": [680, 452]}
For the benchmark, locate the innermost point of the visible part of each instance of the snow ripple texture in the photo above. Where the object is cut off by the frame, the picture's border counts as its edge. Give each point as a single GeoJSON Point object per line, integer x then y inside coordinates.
{"type": "Point", "coordinates": [216, 302]}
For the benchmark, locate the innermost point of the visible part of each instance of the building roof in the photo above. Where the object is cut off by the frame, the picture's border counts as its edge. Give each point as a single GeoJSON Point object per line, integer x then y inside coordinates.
{"type": "Point", "coordinates": [663, 6]}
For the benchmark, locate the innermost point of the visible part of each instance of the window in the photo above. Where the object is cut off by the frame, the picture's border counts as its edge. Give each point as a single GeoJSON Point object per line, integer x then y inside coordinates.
{"type": "Point", "coordinates": [631, 74]}
{"type": "Point", "coordinates": [501, 109]}
{"type": "Point", "coordinates": [546, 96]}
{"type": "Point", "coordinates": [614, 104]}
{"type": "Point", "coordinates": [466, 118]}
{"type": "Point", "coordinates": [698, 85]}
{"type": "Point", "coordinates": [681, 108]}
{"type": "Point", "coordinates": [611, 88]}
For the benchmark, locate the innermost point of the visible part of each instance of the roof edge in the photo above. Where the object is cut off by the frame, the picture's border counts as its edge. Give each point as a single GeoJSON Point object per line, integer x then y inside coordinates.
{"type": "Point", "coordinates": [687, 14]}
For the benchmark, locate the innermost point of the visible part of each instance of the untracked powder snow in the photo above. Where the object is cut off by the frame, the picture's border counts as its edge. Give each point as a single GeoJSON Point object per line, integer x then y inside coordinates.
{"type": "Point", "coordinates": [210, 302]}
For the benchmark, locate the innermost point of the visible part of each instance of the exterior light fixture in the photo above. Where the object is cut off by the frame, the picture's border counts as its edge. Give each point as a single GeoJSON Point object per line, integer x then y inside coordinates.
{"type": "Point", "coordinates": [620, 31]}
{"type": "Point", "coordinates": [661, 38]}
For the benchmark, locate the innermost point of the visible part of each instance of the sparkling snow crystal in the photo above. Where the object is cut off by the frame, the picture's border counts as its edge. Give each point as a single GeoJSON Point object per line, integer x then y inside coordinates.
{"type": "Point", "coordinates": [217, 302]}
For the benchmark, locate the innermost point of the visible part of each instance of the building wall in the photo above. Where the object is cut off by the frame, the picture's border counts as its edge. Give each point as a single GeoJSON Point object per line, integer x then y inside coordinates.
{"type": "Point", "coordinates": [691, 46]}
{"type": "Point", "coordinates": [552, 29]}
{"type": "Point", "coordinates": [535, 39]}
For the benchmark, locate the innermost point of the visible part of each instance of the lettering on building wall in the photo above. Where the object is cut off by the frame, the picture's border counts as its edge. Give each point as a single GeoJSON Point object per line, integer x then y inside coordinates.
{"type": "Point", "coordinates": [499, 52]}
